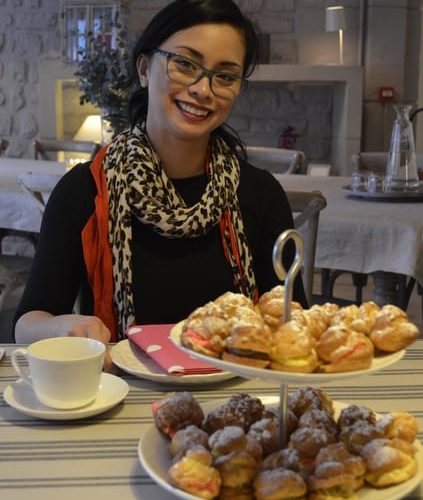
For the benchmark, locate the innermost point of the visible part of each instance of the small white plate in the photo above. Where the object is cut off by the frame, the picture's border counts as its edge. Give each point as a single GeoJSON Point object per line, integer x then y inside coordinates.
{"type": "Point", "coordinates": [134, 361]}
{"type": "Point", "coordinates": [153, 454]}
{"type": "Point", "coordinates": [21, 397]}
{"type": "Point", "coordinates": [378, 363]}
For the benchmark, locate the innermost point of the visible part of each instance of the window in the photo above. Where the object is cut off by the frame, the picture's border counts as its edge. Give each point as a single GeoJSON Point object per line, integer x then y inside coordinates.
{"type": "Point", "coordinates": [80, 20]}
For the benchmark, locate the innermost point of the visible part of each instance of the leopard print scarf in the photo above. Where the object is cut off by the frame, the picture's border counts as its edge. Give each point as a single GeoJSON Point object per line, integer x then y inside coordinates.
{"type": "Point", "coordinates": [137, 185]}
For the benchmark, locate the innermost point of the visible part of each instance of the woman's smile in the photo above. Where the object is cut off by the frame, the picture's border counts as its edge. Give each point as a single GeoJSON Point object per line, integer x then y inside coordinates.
{"type": "Point", "coordinates": [193, 111]}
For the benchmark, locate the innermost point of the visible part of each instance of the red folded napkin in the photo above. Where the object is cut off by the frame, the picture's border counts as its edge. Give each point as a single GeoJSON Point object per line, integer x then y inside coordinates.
{"type": "Point", "coordinates": [154, 340]}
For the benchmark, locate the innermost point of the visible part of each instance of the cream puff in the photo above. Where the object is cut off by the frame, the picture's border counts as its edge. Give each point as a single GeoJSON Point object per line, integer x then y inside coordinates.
{"type": "Point", "coordinates": [249, 343]}
{"type": "Point", "coordinates": [293, 350]}
{"type": "Point", "coordinates": [271, 306]}
{"type": "Point", "coordinates": [343, 350]}
{"type": "Point", "coordinates": [237, 469]}
{"type": "Point", "coordinates": [389, 461]}
{"type": "Point", "coordinates": [400, 424]}
{"type": "Point", "coordinates": [195, 474]}
{"type": "Point", "coordinates": [366, 318]}
{"type": "Point", "coordinates": [393, 331]}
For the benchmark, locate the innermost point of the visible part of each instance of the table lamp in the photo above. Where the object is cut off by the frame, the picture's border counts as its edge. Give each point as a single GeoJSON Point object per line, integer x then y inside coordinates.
{"type": "Point", "coordinates": [90, 130]}
{"type": "Point", "coordinates": [335, 21]}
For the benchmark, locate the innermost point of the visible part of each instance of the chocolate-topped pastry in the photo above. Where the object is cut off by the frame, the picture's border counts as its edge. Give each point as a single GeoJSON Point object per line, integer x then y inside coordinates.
{"type": "Point", "coordinates": [357, 435]}
{"type": "Point", "coordinates": [187, 438]}
{"type": "Point", "coordinates": [337, 473]}
{"type": "Point", "coordinates": [308, 398]}
{"type": "Point", "coordinates": [241, 410]}
{"type": "Point", "coordinates": [291, 419]}
{"type": "Point", "coordinates": [308, 441]}
{"type": "Point", "coordinates": [355, 413]}
{"type": "Point", "coordinates": [319, 419]}
{"type": "Point", "coordinates": [177, 411]}
{"type": "Point", "coordinates": [266, 432]}
{"type": "Point", "coordinates": [286, 458]}
{"type": "Point", "coordinates": [228, 439]}
{"type": "Point", "coordinates": [337, 452]}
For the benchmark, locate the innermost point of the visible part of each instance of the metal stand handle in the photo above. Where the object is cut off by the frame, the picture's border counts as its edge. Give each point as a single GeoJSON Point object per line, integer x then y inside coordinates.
{"type": "Point", "coordinates": [281, 273]}
{"type": "Point", "coordinates": [288, 278]}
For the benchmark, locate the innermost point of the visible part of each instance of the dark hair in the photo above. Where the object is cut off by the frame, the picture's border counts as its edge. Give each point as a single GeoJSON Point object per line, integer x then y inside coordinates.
{"type": "Point", "coordinates": [180, 15]}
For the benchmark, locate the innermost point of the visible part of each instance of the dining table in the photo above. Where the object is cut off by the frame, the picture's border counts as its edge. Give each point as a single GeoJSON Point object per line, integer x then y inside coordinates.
{"type": "Point", "coordinates": [18, 211]}
{"type": "Point", "coordinates": [96, 457]}
{"type": "Point", "coordinates": [364, 234]}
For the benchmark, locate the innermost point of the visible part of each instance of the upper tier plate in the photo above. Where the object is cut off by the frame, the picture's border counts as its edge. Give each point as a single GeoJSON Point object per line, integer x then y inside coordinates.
{"type": "Point", "coordinates": [378, 363]}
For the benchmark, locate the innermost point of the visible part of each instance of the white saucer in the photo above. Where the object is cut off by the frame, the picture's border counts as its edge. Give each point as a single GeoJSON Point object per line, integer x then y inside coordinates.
{"type": "Point", "coordinates": [21, 397]}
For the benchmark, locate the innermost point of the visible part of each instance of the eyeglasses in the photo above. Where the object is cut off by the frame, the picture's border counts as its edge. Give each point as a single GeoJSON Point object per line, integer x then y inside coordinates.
{"type": "Point", "coordinates": [185, 71]}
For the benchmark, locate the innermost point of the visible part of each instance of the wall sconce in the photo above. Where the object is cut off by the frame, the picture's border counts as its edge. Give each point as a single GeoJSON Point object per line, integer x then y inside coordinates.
{"type": "Point", "coordinates": [335, 21]}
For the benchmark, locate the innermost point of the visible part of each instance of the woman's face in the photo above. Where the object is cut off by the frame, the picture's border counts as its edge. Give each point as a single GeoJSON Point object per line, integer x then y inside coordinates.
{"type": "Point", "coordinates": [192, 112]}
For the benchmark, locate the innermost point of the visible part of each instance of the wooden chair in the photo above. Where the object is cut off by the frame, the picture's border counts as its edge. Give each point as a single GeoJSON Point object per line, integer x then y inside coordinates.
{"type": "Point", "coordinates": [275, 160]}
{"type": "Point", "coordinates": [306, 207]}
{"type": "Point", "coordinates": [376, 161]}
{"type": "Point", "coordinates": [3, 146]}
{"type": "Point", "coordinates": [44, 147]}
{"type": "Point", "coordinates": [14, 274]}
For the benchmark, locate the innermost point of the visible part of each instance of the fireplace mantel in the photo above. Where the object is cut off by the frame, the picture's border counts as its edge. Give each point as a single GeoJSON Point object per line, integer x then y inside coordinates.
{"type": "Point", "coordinates": [347, 83]}
{"type": "Point", "coordinates": [347, 100]}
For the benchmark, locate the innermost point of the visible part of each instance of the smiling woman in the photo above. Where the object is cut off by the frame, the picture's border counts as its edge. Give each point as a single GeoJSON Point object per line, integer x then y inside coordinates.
{"type": "Point", "coordinates": [169, 215]}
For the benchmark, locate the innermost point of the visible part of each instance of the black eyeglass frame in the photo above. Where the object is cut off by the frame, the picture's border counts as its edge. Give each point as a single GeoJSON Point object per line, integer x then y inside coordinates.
{"type": "Point", "coordinates": [210, 73]}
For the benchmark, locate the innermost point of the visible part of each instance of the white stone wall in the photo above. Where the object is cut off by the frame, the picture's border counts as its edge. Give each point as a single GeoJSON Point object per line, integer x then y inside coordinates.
{"type": "Point", "coordinates": [29, 30]}
{"type": "Point", "coordinates": [30, 34]}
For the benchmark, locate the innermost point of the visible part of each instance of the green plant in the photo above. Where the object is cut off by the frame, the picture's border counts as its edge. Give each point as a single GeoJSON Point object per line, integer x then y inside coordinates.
{"type": "Point", "coordinates": [103, 75]}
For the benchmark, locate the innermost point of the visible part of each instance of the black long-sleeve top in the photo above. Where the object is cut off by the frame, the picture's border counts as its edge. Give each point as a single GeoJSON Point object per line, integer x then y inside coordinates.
{"type": "Point", "coordinates": [171, 276]}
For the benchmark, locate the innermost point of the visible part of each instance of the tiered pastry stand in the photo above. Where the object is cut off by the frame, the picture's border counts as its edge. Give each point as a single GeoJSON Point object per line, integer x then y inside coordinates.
{"type": "Point", "coordinates": [153, 440]}
{"type": "Point", "coordinates": [283, 378]}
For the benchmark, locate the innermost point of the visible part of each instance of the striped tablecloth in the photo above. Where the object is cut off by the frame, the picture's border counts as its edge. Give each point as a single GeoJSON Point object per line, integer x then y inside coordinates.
{"type": "Point", "coordinates": [97, 457]}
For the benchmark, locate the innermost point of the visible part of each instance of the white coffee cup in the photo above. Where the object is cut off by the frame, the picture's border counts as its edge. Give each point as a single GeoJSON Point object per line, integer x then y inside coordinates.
{"type": "Point", "coordinates": [64, 371]}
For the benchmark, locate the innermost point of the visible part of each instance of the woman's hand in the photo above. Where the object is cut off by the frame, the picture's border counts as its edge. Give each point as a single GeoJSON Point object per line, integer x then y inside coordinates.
{"type": "Point", "coordinates": [77, 325]}
{"type": "Point", "coordinates": [37, 325]}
